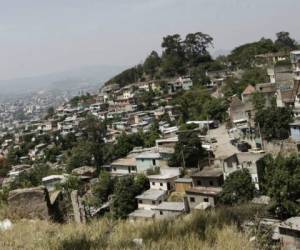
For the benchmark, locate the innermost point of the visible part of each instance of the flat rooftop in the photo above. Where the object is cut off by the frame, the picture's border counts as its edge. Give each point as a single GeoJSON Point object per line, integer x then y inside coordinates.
{"type": "Point", "coordinates": [171, 206]}
{"type": "Point", "coordinates": [151, 194]}
{"type": "Point", "coordinates": [209, 172]}
{"type": "Point", "coordinates": [142, 213]}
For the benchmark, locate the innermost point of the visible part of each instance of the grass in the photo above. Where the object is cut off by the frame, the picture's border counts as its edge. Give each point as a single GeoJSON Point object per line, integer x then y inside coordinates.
{"type": "Point", "coordinates": [200, 230]}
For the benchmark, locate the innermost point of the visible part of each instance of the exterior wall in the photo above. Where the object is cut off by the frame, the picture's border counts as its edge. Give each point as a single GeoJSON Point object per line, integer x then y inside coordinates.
{"type": "Point", "coordinates": [149, 204]}
{"type": "Point", "coordinates": [144, 164]}
{"type": "Point", "coordinates": [116, 169]}
{"type": "Point", "coordinates": [207, 182]}
{"type": "Point", "coordinates": [295, 132]}
{"type": "Point", "coordinates": [162, 214]}
{"type": "Point", "coordinates": [182, 187]}
{"type": "Point", "coordinates": [159, 184]}
{"type": "Point", "coordinates": [199, 198]}
{"type": "Point", "coordinates": [290, 239]}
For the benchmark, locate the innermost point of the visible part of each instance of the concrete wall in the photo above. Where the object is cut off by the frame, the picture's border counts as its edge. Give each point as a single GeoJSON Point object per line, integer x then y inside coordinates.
{"type": "Point", "coordinates": [199, 199]}
{"type": "Point", "coordinates": [182, 187]}
{"type": "Point", "coordinates": [166, 214]}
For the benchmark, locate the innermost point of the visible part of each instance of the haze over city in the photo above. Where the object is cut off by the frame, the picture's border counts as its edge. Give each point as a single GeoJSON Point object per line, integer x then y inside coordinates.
{"type": "Point", "coordinates": [42, 37]}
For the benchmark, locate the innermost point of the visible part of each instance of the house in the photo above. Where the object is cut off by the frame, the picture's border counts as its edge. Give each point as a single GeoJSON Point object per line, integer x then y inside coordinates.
{"type": "Point", "coordinates": [164, 181]}
{"type": "Point", "coordinates": [151, 198]}
{"type": "Point", "coordinates": [268, 90]}
{"type": "Point", "coordinates": [124, 166]}
{"type": "Point", "coordinates": [147, 160]}
{"type": "Point", "coordinates": [181, 83]}
{"type": "Point", "coordinates": [247, 160]}
{"type": "Point", "coordinates": [247, 93]}
{"type": "Point", "coordinates": [141, 214]}
{"type": "Point", "coordinates": [169, 209]}
{"type": "Point", "coordinates": [206, 187]}
{"type": "Point", "coordinates": [295, 130]}
{"type": "Point", "coordinates": [182, 184]}
{"type": "Point", "coordinates": [240, 111]}
{"type": "Point", "coordinates": [290, 233]}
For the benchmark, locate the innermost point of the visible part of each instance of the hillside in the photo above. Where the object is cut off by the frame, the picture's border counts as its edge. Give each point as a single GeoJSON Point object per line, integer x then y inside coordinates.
{"type": "Point", "coordinates": [200, 230]}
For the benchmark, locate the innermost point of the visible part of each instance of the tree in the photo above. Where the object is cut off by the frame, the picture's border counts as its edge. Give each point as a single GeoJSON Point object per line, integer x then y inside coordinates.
{"type": "Point", "coordinates": [282, 184]}
{"type": "Point", "coordinates": [258, 100]}
{"type": "Point", "coordinates": [238, 188]}
{"type": "Point", "coordinates": [152, 63]}
{"type": "Point", "coordinates": [80, 155]}
{"type": "Point", "coordinates": [104, 187]}
{"type": "Point", "coordinates": [274, 122]}
{"type": "Point", "coordinates": [188, 150]}
{"type": "Point", "coordinates": [195, 48]}
{"type": "Point", "coordinates": [124, 198]}
{"type": "Point", "coordinates": [284, 41]}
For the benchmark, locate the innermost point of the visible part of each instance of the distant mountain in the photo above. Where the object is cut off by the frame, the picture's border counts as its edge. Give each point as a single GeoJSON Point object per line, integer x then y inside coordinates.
{"type": "Point", "coordinates": [72, 79]}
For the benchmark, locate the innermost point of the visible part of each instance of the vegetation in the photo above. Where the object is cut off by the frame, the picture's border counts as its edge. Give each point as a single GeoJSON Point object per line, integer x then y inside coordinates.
{"type": "Point", "coordinates": [282, 175]}
{"type": "Point", "coordinates": [238, 188]}
{"type": "Point", "coordinates": [274, 122]}
{"type": "Point", "coordinates": [201, 230]}
{"type": "Point", "coordinates": [188, 151]}
{"type": "Point", "coordinates": [125, 190]}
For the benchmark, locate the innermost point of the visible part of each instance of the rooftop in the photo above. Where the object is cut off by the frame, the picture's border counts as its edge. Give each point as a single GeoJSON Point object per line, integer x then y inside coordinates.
{"type": "Point", "coordinates": [209, 172]}
{"type": "Point", "coordinates": [292, 223]}
{"type": "Point", "coordinates": [163, 176]}
{"type": "Point", "coordinates": [125, 162]}
{"type": "Point", "coordinates": [148, 155]}
{"type": "Point", "coordinates": [171, 206]}
{"type": "Point", "coordinates": [151, 194]}
{"type": "Point", "coordinates": [249, 90]}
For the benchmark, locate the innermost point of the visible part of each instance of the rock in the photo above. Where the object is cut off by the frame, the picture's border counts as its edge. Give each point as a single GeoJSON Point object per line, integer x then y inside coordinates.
{"type": "Point", "coordinates": [30, 203]}
{"type": "Point", "coordinates": [138, 242]}
{"type": "Point", "coordinates": [5, 225]}
{"type": "Point", "coordinates": [85, 171]}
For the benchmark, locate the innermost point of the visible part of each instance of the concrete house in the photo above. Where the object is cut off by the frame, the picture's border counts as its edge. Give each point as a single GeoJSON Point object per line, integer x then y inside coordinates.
{"type": "Point", "coordinates": [290, 233]}
{"type": "Point", "coordinates": [163, 181]}
{"type": "Point", "coordinates": [206, 187]}
{"type": "Point", "coordinates": [151, 198]}
{"type": "Point", "coordinates": [169, 209]}
{"type": "Point", "coordinates": [124, 166]}
{"type": "Point", "coordinates": [147, 160]}
{"type": "Point", "coordinates": [183, 184]}
{"type": "Point", "coordinates": [248, 160]}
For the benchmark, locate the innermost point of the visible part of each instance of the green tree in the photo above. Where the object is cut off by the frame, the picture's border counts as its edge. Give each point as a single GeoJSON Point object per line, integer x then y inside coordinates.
{"type": "Point", "coordinates": [282, 184]}
{"type": "Point", "coordinates": [284, 41]}
{"type": "Point", "coordinates": [238, 188]}
{"type": "Point", "coordinates": [152, 63]}
{"type": "Point", "coordinates": [274, 122]}
{"type": "Point", "coordinates": [104, 187]}
{"type": "Point", "coordinates": [80, 155]}
{"type": "Point", "coordinates": [258, 100]}
{"type": "Point", "coordinates": [195, 48]}
{"type": "Point", "coordinates": [188, 150]}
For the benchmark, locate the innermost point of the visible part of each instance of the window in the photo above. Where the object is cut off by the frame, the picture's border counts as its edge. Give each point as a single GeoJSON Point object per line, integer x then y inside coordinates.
{"type": "Point", "coordinates": [161, 212]}
{"type": "Point", "coordinates": [115, 169]}
{"type": "Point", "coordinates": [161, 184]}
{"type": "Point", "coordinates": [192, 199]}
{"type": "Point", "coordinates": [199, 183]}
{"type": "Point", "coordinates": [153, 162]}
{"type": "Point", "coordinates": [140, 201]}
{"type": "Point", "coordinates": [153, 183]}
{"type": "Point", "coordinates": [153, 202]}
{"type": "Point", "coordinates": [205, 199]}
{"type": "Point", "coordinates": [211, 183]}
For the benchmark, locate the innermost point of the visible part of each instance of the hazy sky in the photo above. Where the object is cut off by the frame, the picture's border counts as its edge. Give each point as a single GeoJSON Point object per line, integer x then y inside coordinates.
{"type": "Point", "coordinates": [43, 36]}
